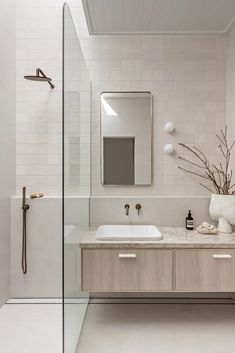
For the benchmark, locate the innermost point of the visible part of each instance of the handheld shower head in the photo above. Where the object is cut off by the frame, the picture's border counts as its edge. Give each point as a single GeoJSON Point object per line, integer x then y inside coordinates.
{"type": "Point", "coordinates": [40, 77]}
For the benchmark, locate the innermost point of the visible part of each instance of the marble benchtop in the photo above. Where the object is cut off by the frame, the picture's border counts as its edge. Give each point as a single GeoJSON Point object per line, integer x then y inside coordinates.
{"type": "Point", "coordinates": [173, 237]}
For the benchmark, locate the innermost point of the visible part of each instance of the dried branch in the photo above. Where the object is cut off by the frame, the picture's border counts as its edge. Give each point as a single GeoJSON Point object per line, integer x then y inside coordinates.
{"type": "Point", "coordinates": [195, 164]}
{"type": "Point", "coordinates": [190, 172]}
{"type": "Point", "coordinates": [218, 137]}
{"type": "Point", "coordinates": [206, 187]}
{"type": "Point", "coordinates": [231, 147]}
{"type": "Point", "coordinates": [190, 150]}
{"type": "Point", "coordinates": [220, 176]}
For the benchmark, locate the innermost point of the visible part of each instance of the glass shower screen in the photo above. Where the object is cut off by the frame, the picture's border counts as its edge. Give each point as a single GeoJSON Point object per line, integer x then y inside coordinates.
{"type": "Point", "coordinates": [76, 178]}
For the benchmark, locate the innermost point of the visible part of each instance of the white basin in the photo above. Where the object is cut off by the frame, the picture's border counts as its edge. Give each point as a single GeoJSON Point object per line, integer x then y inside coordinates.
{"type": "Point", "coordinates": [128, 232]}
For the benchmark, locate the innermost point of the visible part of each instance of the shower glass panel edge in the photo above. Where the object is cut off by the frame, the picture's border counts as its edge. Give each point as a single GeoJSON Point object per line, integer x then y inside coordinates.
{"type": "Point", "coordinates": [76, 178]}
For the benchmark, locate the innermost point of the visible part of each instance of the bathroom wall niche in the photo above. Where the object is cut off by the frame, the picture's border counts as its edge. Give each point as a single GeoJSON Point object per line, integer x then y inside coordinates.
{"type": "Point", "coordinates": [126, 138]}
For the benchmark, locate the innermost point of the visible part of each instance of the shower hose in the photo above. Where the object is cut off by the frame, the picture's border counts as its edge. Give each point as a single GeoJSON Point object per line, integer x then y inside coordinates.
{"type": "Point", "coordinates": [25, 208]}
{"type": "Point", "coordinates": [24, 244]}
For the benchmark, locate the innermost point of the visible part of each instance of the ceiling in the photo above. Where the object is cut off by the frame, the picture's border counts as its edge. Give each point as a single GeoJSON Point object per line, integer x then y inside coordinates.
{"type": "Point", "coordinates": [158, 16]}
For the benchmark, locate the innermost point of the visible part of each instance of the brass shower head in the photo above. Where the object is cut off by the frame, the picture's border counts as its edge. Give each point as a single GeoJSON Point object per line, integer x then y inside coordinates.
{"type": "Point", "coordinates": [40, 77]}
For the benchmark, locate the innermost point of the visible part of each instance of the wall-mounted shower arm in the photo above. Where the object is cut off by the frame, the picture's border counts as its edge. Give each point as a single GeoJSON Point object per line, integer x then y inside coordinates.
{"type": "Point", "coordinates": [40, 72]}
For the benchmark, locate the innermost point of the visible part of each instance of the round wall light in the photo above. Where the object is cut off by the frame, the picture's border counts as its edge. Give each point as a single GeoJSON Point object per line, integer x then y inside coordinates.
{"type": "Point", "coordinates": [169, 148]}
{"type": "Point", "coordinates": [169, 128]}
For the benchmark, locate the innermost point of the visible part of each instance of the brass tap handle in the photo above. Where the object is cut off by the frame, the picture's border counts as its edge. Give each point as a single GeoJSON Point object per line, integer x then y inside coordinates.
{"type": "Point", "coordinates": [138, 207]}
{"type": "Point", "coordinates": [127, 207]}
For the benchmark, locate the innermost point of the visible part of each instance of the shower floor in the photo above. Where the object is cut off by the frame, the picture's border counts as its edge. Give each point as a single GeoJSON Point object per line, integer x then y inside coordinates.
{"type": "Point", "coordinates": [28, 326]}
{"type": "Point", "coordinates": [165, 328]}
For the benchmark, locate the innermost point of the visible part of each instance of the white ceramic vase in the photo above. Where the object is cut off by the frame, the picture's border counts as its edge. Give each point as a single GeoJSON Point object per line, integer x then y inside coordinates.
{"type": "Point", "coordinates": [222, 209]}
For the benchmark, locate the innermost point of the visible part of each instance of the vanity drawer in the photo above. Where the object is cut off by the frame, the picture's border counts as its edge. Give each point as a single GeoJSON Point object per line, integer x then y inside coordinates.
{"type": "Point", "coordinates": [205, 270]}
{"type": "Point", "coordinates": [121, 270]}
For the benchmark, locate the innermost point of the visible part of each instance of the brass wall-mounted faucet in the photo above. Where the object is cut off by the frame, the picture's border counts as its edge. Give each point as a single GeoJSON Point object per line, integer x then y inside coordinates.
{"type": "Point", "coordinates": [127, 207]}
{"type": "Point", "coordinates": [138, 208]}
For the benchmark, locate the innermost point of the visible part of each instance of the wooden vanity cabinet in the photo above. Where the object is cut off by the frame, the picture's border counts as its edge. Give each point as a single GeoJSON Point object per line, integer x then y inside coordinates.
{"type": "Point", "coordinates": [205, 270]}
{"type": "Point", "coordinates": [124, 270]}
{"type": "Point", "coordinates": [158, 269]}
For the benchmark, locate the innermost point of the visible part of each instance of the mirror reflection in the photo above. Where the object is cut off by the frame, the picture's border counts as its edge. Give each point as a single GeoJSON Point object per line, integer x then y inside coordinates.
{"type": "Point", "coordinates": [126, 138]}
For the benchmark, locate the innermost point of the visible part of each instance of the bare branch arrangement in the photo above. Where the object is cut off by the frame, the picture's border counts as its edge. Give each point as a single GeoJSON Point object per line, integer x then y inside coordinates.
{"type": "Point", "coordinates": [220, 177]}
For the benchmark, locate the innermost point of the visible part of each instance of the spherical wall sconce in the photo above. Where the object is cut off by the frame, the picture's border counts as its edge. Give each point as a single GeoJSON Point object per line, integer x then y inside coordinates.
{"type": "Point", "coordinates": [169, 148]}
{"type": "Point", "coordinates": [169, 128]}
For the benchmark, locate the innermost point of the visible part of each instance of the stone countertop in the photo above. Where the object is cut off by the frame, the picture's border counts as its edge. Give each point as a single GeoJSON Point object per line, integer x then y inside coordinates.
{"type": "Point", "coordinates": [173, 238]}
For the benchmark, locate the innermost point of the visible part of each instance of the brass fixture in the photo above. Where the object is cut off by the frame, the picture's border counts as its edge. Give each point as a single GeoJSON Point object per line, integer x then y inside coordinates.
{"type": "Point", "coordinates": [127, 207]}
{"type": "Point", "coordinates": [40, 77]}
{"type": "Point", "coordinates": [25, 208]}
{"type": "Point", "coordinates": [36, 195]}
{"type": "Point", "coordinates": [138, 207]}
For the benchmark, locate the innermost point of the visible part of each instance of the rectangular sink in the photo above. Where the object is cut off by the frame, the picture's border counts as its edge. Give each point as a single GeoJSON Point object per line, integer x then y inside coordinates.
{"type": "Point", "coordinates": [128, 232]}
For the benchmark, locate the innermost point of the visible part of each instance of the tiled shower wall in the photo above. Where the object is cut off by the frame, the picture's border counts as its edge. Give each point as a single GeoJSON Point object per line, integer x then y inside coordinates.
{"type": "Point", "coordinates": [38, 118]}
{"type": "Point", "coordinates": [186, 75]}
{"type": "Point", "coordinates": [39, 109]}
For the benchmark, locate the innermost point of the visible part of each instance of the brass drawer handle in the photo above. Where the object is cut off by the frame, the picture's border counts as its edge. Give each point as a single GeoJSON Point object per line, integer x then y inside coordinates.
{"type": "Point", "coordinates": [222, 256]}
{"type": "Point", "coordinates": [127, 256]}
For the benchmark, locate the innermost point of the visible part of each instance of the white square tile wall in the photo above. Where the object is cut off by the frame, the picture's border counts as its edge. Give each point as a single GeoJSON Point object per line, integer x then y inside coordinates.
{"type": "Point", "coordinates": [39, 109]}
{"type": "Point", "coordinates": [186, 75]}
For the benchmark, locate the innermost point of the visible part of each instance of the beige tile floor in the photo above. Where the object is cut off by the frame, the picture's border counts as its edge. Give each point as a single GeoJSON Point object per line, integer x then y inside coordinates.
{"type": "Point", "coordinates": [31, 328]}
{"type": "Point", "coordinates": [158, 328]}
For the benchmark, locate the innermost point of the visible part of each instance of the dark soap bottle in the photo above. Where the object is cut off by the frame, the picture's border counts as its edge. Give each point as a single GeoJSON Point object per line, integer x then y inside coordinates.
{"type": "Point", "coordinates": [189, 221]}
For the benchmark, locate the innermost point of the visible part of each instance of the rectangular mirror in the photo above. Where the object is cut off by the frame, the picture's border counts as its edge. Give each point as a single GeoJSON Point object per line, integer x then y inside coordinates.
{"type": "Point", "coordinates": [126, 138]}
